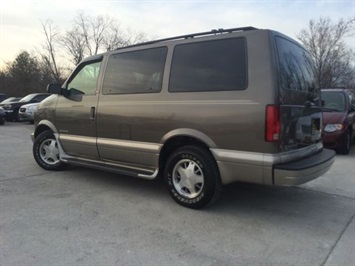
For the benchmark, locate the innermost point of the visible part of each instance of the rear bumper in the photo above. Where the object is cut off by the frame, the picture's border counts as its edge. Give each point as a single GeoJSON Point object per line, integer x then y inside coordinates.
{"type": "Point", "coordinates": [302, 171]}
{"type": "Point", "coordinates": [289, 168]}
{"type": "Point", "coordinates": [9, 114]}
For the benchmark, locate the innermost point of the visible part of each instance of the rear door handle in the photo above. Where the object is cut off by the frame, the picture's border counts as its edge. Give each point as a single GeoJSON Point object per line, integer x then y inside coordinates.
{"type": "Point", "coordinates": [92, 114]}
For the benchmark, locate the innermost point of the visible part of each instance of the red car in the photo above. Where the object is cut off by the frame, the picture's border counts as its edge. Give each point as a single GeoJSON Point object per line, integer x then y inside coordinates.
{"type": "Point", "coordinates": [338, 119]}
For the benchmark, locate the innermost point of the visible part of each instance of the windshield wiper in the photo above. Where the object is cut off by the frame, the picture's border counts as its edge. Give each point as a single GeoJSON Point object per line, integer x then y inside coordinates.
{"type": "Point", "coordinates": [325, 109]}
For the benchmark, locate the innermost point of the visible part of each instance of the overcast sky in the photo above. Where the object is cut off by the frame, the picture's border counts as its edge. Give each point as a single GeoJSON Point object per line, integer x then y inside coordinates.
{"type": "Point", "coordinates": [21, 28]}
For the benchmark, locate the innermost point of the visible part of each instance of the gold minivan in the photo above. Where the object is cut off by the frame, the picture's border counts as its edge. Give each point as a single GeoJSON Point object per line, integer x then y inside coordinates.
{"type": "Point", "coordinates": [201, 110]}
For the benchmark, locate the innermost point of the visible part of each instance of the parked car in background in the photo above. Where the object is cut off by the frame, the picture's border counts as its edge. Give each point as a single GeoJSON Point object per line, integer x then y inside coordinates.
{"type": "Point", "coordinates": [10, 99]}
{"type": "Point", "coordinates": [2, 116]}
{"type": "Point", "coordinates": [12, 108]}
{"type": "Point", "coordinates": [338, 119]}
{"type": "Point", "coordinates": [26, 112]}
{"type": "Point", "coordinates": [2, 97]}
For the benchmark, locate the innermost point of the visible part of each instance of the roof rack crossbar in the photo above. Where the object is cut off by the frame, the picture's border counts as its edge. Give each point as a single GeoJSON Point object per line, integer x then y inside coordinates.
{"type": "Point", "coordinates": [193, 35]}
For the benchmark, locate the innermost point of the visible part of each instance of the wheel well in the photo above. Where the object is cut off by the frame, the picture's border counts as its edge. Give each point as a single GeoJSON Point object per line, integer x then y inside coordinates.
{"type": "Point", "coordinates": [173, 144]}
{"type": "Point", "coordinates": [41, 129]}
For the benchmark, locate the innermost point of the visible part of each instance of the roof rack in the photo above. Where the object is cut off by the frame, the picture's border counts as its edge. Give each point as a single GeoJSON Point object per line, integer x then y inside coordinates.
{"type": "Point", "coordinates": [193, 35]}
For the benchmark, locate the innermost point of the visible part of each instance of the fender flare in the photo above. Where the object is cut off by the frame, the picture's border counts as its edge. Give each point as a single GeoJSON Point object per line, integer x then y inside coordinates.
{"type": "Point", "coordinates": [188, 132]}
{"type": "Point", "coordinates": [47, 124]}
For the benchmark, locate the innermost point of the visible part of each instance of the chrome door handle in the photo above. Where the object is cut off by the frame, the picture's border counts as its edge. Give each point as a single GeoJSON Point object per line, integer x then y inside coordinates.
{"type": "Point", "coordinates": [92, 114]}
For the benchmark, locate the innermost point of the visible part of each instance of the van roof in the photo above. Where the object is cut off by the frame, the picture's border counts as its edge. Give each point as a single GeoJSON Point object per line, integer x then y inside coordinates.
{"type": "Point", "coordinates": [180, 37]}
{"type": "Point", "coordinates": [193, 35]}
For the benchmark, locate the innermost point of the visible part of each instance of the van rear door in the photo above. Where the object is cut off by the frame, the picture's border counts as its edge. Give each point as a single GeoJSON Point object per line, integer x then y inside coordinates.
{"type": "Point", "coordinates": [299, 97]}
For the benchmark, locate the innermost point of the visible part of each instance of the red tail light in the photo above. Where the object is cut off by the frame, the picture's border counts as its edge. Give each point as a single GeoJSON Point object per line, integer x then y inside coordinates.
{"type": "Point", "coordinates": [272, 126]}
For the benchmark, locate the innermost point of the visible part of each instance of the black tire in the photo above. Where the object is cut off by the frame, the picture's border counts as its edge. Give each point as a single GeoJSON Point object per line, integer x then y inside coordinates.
{"type": "Point", "coordinates": [201, 185]}
{"type": "Point", "coordinates": [15, 117]}
{"type": "Point", "coordinates": [46, 153]}
{"type": "Point", "coordinates": [345, 149]}
{"type": "Point", "coordinates": [2, 122]}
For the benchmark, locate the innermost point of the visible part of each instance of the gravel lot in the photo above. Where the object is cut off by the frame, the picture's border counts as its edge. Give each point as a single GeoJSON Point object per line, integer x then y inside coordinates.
{"type": "Point", "coordinates": [87, 217]}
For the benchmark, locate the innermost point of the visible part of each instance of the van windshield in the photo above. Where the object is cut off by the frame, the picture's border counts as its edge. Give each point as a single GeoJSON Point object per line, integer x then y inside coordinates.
{"type": "Point", "coordinates": [296, 71]}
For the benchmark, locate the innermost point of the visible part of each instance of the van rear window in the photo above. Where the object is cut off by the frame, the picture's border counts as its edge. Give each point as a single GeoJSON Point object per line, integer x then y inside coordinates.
{"type": "Point", "coordinates": [209, 66]}
{"type": "Point", "coordinates": [296, 66]}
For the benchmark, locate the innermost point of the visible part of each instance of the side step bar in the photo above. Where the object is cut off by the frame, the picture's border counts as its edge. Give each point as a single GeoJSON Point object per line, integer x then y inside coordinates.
{"type": "Point", "coordinates": [114, 168]}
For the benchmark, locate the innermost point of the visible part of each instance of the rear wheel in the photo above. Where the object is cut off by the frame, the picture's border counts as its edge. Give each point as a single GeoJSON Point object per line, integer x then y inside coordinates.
{"type": "Point", "coordinates": [192, 177]}
{"type": "Point", "coordinates": [46, 152]}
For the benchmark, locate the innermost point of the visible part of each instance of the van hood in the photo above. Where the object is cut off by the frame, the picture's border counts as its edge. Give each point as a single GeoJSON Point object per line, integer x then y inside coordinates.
{"type": "Point", "coordinates": [333, 117]}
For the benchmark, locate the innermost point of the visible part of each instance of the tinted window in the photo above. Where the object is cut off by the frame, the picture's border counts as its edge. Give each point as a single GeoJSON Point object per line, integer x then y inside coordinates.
{"type": "Point", "coordinates": [296, 71]}
{"type": "Point", "coordinates": [86, 79]}
{"type": "Point", "coordinates": [135, 72]}
{"type": "Point", "coordinates": [209, 66]}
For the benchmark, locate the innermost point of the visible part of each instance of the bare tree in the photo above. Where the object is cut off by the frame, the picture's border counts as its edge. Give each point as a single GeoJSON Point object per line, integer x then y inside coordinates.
{"type": "Point", "coordinates": [74, 43]}
{"type": "Point", "coordinates": [92, 35]}
{"type": "Point", "coordinates": [118, 38]}
{"type": "Point", "coordinates": [87, 36]}
{"type": "Point", "coordinates": [115, 39]}
{"type": "Point", "coordinates": [94, 30]}
{"type": "Point", "coordinates": [49, 56]}
{"type": "Point", "coordinates": [326, 42]}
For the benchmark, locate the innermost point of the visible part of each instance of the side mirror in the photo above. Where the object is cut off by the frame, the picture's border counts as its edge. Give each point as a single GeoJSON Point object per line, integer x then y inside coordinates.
{"type": "Point", "coordinates": [54, 88]}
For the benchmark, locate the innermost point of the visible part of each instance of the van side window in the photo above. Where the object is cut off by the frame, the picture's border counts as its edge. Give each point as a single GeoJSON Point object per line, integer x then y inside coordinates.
{"type": "Point", "coordinates": [135, 72]}
{"type": "Point", "coordinates": [296, 72]}
{"type": "Point", "coordinates": [86, 79]}
{"type": "Point", "coordinates": [209, 66]}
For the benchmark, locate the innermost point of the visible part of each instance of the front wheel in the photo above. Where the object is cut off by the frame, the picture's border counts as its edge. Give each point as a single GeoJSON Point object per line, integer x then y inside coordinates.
{"type": "Point", "coordinates": [46, 152]}
{"type": "Point", "coordinates": [192, 177]}
{"type": "Point", "coordinates": [345, 149]}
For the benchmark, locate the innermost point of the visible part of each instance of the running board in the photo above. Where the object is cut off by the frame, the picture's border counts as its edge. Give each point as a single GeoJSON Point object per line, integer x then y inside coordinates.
{"type": "Point", "coordinates": [114, 168]}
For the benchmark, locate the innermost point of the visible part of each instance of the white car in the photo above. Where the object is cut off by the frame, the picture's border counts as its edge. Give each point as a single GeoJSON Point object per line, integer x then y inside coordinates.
{"type": "Point", "coordinates": [27, 111]}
